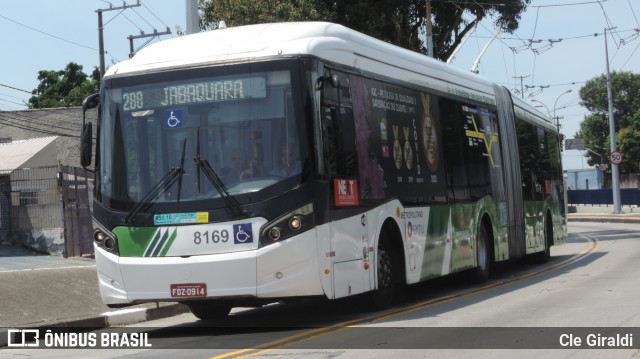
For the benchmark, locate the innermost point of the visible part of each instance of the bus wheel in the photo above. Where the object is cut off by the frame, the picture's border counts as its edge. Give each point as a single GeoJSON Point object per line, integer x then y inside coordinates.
{"type": "Point", "coordinates": [382, 297]}
{"type": "Point", "coordinates": [480, 274]}
{"type": "Point", "coordinates": [214, 309]}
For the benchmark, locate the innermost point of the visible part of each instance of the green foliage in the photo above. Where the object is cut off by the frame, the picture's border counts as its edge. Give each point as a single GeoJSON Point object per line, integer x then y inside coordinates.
{"type": "Point", "coordinates": [400, 22]}
{"type": "Point", "coordinates": [244, 12]}
{"type": "Point", "coordinates": [595, 132]}
{"type": "Point", "coordinates": [64, 88]}
{"type": "Point", "coordinates": [629, 144]}
{"type": "Point", "coordinates": [626, 105]}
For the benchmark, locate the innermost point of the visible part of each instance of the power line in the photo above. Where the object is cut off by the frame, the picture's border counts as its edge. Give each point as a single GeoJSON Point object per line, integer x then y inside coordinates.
{"type": "Point", "coordinates": [7, 95]}
{"type": "Point", "coordinates": [22, 123]}
{"type": "Point", "coordinates": [634, 13]}
{"type": "Point", "coordinates": [13, 102]}
{"type": "Point", "coordinates": [33, 129]}
{"type": "Point", "coordinates": [630, 56]}
{"type": "Point", "coordinates": [47, 34]}
{"type": "Point", "coordinates": [40, 121]}
{"type": "Point", "coordinates": [143, 18]}
{"type": "Point", "coordinates": [15, 88]}
{"type": "Point", "coordinates": [154, 15]}
{"type": "Point", "coordinates": [567, 4]}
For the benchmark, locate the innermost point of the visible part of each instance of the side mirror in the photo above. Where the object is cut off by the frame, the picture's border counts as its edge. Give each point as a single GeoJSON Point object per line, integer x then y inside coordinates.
{"type": "Point", "coordinates": [90, 102]}
{"type": "Point", "coordinates": [86, 145]}
{"type": "Point", "coordinates": [86, 136]}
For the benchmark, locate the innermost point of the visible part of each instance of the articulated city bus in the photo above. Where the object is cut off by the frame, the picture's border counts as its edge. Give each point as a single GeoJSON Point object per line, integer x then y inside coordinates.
{"type": "Point", "coordinates": [261, 163]}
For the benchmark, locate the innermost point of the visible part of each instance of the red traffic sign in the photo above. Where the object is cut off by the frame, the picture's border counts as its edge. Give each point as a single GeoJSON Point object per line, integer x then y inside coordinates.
{"type": "Point", "coordinates": [616, 157]}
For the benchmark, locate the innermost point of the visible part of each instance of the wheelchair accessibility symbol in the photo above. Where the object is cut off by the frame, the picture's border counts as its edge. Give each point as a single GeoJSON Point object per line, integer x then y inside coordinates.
{"type": "Point", "coordinates": [173, 119]}
{"type": "Point", "coordinates": [242, 233]}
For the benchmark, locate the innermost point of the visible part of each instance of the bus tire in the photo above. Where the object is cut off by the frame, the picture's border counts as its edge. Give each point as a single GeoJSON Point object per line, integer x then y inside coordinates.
{"type": "Point", "coordinates": [213, 309]}
{"type": "Point", "coordinates": [481, 273]}
{"type": "Point", "coordinates": [382, 297]}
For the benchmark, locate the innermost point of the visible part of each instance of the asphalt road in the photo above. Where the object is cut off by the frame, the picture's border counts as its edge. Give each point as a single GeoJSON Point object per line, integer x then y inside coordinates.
{"type": "Point", "coordinates": [589, 288]}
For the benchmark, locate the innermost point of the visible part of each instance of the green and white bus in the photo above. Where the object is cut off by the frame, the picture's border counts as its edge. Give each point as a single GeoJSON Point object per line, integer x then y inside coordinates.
{"type": "Point", "coordinates": [261, 163]}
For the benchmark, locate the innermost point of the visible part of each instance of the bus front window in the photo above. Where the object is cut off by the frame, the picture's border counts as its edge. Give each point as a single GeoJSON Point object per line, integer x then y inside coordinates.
{"type": "Point", "coordinates": [243, 125]}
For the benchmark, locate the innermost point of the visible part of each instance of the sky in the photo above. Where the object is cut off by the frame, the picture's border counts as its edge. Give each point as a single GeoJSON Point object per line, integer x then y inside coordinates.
{"type": "Point", "coordinates": [557, 48]}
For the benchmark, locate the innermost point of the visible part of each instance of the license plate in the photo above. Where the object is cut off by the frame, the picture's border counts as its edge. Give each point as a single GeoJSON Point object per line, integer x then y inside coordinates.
{"type": "Point", "coordinates": [188, 290]}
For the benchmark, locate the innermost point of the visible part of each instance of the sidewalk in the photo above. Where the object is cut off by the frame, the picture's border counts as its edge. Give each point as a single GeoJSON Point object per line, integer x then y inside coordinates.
{"type": "Point", "coordinates": [43, 291]}
{"type": "Point", "coordinates": [603, 214]}
{"type": "Point", "coordinates": [51, 291]}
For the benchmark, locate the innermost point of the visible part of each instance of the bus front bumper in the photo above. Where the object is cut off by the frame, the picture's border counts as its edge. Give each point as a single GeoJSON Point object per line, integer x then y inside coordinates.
{"type": "Point", "coordinates": [281, 270]}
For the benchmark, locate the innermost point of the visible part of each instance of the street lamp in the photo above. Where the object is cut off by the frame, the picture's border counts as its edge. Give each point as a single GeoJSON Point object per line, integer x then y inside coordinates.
{"type": "Point", "coordinates": [543, 105]}
{"type": "Point", "coordinates": [554, 109]}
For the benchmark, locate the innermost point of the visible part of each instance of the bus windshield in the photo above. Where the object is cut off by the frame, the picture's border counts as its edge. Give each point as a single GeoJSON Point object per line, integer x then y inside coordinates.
{"type": "Point", "coordinates": [238, 127]}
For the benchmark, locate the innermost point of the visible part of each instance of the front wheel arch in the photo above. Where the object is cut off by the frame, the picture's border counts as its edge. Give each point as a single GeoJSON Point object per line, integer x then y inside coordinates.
{"type": "Point", "coordinates": [389, 266]}
{"type": "Point", "coordinates": [484, 252]}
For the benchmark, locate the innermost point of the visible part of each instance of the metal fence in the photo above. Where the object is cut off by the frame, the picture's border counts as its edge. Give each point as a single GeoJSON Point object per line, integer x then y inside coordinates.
{"type": "Point", "coordinates": [46, 208]}
{"type": "Point", "coordinates": [76, 189]}
{"type": "Point", "coordinates": [628, 197]}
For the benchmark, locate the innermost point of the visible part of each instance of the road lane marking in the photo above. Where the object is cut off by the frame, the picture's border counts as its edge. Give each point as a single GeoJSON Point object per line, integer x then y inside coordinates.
{"type": "Point", "coordinates": [592, 246]}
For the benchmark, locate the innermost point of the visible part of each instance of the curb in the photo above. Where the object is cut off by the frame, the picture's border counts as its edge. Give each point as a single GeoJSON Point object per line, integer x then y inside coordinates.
{"type": "Point", "coordinates": [604, 219]}
{"type": "Point", "coordinates": [104, 320]}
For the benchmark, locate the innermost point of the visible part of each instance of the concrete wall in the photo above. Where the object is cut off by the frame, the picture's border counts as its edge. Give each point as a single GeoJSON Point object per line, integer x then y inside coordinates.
{"type": "Point", "coordinates": [63, 122]}
{"type": "Point", "coordinates": [584, 179]}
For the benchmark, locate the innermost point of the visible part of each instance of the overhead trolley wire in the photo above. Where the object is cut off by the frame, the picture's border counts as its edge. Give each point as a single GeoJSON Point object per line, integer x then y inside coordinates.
{"type": "Point", "coordinates": [154, 15]}
{"type": "Point", "coordinates": [47, 34]}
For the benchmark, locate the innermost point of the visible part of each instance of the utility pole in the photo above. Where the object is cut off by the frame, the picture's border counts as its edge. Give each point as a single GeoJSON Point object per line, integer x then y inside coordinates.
{"type": "Point", "coordinates": [193, 19]}
{"type": "Point", "coordinates": [521, 84]}
{"type": "Point", "coordinates": [143, 35]}
{"type": "Point", "coordinates": [615, 179]}
{"type": "Point", "coordinates": [429, 30]}
{"type": "Point", "coordinates": [101, 28]}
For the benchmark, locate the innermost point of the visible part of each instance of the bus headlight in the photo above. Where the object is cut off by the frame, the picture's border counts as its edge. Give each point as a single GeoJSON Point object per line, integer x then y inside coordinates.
{"type": "Point", "coordinates": [295, 223]}
{"type": "Point", "coordinates": [274, 233]}
{"type": "Point", "coordinates": [99, 236]}
{"type": "Point", "coordinates": [105, 239]}
{"type": "Point", "coordinates": [287, 226]}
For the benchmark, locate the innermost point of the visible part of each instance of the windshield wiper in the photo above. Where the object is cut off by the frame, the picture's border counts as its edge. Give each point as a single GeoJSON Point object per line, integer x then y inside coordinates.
{"type": "Point", "coordinates": [174, 174]}
{"type": "Point", "coordinates": [220, 187]}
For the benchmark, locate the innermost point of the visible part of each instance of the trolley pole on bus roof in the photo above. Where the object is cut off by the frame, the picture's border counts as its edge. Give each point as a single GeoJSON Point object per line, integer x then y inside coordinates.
{"type": "Point", "coordinates": [615, 179]}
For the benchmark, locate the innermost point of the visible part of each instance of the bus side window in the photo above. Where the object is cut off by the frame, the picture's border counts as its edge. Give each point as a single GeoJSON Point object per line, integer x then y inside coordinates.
{"type": "Point", "coordinates": [347, 142]}
{"type": "Point", "coordinates": [455, 150]}
{"type": "Point", "coordinates": [340, 144]}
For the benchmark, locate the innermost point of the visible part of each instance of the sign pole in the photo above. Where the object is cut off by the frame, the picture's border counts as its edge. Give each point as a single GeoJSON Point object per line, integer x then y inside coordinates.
{"type": "Point", "coordinates": [615, 179]}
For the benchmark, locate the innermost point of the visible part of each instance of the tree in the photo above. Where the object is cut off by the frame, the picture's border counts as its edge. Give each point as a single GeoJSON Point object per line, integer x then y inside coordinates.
{"type": "Point", "coordinates": [64, 88]}
{"type": "Point", "coordinates": [595, 128]}
{"type": "Point", "coordinates": [401, 22]}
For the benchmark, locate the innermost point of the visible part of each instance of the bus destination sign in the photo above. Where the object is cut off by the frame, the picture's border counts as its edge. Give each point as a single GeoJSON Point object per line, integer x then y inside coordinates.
{"type": "Point", "coordinates": [214, 90]}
